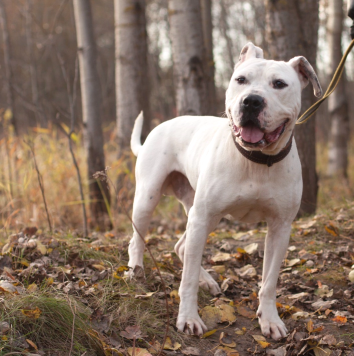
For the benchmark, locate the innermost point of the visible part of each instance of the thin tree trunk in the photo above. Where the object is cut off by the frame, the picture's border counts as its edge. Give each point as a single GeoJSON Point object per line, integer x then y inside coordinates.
{"type": "Point", "coordinates": [292, 30]}
{"type": "Point", "coordinates": [224, 29]}
{"type": "Point", "coordinates": [188, 54]}
{"type": "Point", "coordinates": [91, 109]}
{"type": "Point", "coordinates": [337, 102]}
{"type": "Point", "coordinates": [132, 79]}
{"type": "Point", "coordinates": [208, 44]}
{"type": "Point", "coordinates": [32, 66]}
{"type": "Point", "coordinates": [8, 70]}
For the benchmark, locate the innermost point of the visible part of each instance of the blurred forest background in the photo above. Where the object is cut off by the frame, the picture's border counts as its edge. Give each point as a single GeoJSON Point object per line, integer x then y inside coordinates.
{"type": "Point", "coordinates": [75, 74]}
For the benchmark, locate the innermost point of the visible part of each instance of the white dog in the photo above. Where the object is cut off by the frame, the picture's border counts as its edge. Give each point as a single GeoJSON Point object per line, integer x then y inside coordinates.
{"type": "Point", "coordinates": [246, 166]}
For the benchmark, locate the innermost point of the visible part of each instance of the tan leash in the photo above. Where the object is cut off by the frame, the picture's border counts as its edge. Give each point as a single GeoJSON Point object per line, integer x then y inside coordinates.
{"type": "Point", "coordinates": [332, 86]}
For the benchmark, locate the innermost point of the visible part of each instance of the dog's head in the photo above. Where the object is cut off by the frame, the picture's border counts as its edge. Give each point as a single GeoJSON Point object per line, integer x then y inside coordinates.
{"type": "Point", "coordinates": [263, 99]}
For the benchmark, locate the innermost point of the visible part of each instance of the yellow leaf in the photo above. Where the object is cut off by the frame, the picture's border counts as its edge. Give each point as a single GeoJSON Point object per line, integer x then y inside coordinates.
{"type": "Point", "coordinates": [32, 344]}
{"type": "Point", "coordinates": [4, 338]}
{"type": "Point", "coordinates": [41, 248]}
{"type": "Point", "coordinates": [261, 341]}
{"type": "Point", "coordinates": [330, 229]}
{"type": "Point", "coordinates": [24, 262]}
{"type": "Point", "coordinates": [8, 115]}
{"type": "Point", "coordinates": [121, 269]}
{"type": "Point", "coordinates": [49, 281]}
{"type": "Point", "coordinates": [241, 250]}
{"type": "Point", "coordinates": [32, 287]}
{"type": "Point", "coordinates": [169, 345]}
{"type": "Point", "coordinates": [227, 313]}
{"type": "Point", "coordinates": [226, 340]}
{"type": "Point", "coordinates": [32, 313]}
{"type": "Point", "coordinates": [175, 296]}
{"type": "Point", "coordinates": [208, 333]}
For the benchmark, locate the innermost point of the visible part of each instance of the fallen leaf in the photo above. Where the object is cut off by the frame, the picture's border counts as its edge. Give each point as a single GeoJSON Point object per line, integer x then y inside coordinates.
{"type": "Point", "coordinates": [32, 344]}
{"type": "Point", "coordinates": [261, 341]}
{"type": "Point", "coordinates": [324, 291]}
{"type": "Point", "coordinates": [318, 351]}
{"type": "Point", "coordinates": [132, 332]}
{"type": "Point", "coordinates": [227, 313]}
{"type": "Point", "coordinates": [226, 340]}
{"type": "Point", "coordinates": [246, 271]}
{"type": "Point", "coordinates": [8, 287]}
{"type": "Point", "coordinates": [240, 331]}
{"type": "Point", "coordinates": [221, 257]}
{"type": "Point", "coordinates": [99, 267]}
{"type": "Point", "coordinates": [32, 287]}
{"type": "Point", "coordinates": [145, 296]}
{"type": "Point", "coordinates": [331, 229]}
{"type": "Point", "coordinates": [219, 269]}
{"type": "Point", "coordinates": [32, 313]}
{"type": "Point", "coordinates": [228, 351]}
{"type": "Point", "coordinates": [41, 248]}
{"type": "Point", "coordinates": [321, 305]}
{"type": "Point", "coordinates": [209, 333]}
{"type": "Point", "coordinates": [175, 296]}
{"type": "Point", "coordinates": [299, 315]}
{"type": "Point", "coordinates": [170, 345]}
{"type": "Point", "coordinates": [293, 262]}
{"type": "Point", "coordinates": [328, 340]}
{"type": "Point", "coordinates": [245, 311]}
{"type": "Point", "coordinates": [138, 352]}
{"type": "Point", "coordinates": [251, 248]}
{"type": "Point", "coordinates": [340, 319]}
{"type": "Point", "coordinates": [309, 326]}
{"type": "Point", "coordinates": [190, 351]}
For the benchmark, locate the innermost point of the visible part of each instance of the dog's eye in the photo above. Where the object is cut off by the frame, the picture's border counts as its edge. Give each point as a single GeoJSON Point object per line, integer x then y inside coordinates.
{"type": "Point", "coordinates": [241, 80]}
{"type": "Point", "coordinates": [279, 84]}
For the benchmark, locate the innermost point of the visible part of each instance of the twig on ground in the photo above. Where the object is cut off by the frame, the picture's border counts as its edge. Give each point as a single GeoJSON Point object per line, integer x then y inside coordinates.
{"type": "Point", "coordinates": [103, 175]}
{"type": "Point", "coordinates": [40, 181]}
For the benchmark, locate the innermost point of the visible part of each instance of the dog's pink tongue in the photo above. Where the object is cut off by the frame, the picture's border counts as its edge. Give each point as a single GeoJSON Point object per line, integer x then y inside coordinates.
{"type": "Point", "coordinates": [251, 134]}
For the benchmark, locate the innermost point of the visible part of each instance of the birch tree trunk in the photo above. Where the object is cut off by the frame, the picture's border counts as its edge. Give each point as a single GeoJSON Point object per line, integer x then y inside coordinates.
{"type": "Point", "coordinates": [91, 110]}
{"type": "Point", "coordinates": [32, 66]}
{"type": "Point", "coordinates": [291, 30]}
{"type": "Point", "coordinates": [337, 102]}
{"type": "Point", "coordinates": [208, 44]}
{"type": "Point", "coordinates": [188, 55]}
{"type": "Point", "coordinates": [132, 79]}
{"type": "Point", "coordinates": [8, 70]}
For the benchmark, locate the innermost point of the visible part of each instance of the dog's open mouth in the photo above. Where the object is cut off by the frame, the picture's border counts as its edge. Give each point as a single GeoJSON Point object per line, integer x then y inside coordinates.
{"type": "Point", "coordinates": [252, 135]}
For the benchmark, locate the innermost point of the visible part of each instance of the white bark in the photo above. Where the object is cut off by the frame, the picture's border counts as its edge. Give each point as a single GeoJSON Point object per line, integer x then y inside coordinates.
{"type": "Point", "coordinates": [188, 56]}
{"type": "Point", "coordinates": [337, 102]}
{"type": "Point", "coordinates": [91, 106]}
{"type": "Point", "coordinates": [132, 91]}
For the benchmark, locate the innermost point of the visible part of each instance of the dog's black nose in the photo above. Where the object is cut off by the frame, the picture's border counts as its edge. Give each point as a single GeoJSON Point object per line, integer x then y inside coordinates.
{"type": "Point", "coordinates": [252, 102]}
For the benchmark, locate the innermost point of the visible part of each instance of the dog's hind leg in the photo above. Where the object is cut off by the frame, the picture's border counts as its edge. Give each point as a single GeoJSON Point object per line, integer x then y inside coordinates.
{"type": "Point", "coordinates": [206, 281]}
{"type": "Point", "coordinates": [145, 201]}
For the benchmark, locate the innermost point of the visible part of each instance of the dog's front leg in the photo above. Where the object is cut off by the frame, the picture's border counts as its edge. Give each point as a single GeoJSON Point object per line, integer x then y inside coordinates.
{"type": "Point", "coordinates": [276, 244]}
{"type": "Point", "coordinates": [198, 227]}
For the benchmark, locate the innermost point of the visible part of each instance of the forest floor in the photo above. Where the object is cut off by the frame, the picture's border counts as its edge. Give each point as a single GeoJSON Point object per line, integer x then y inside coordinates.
{"type": "Point", "coordinates": [67, 295]}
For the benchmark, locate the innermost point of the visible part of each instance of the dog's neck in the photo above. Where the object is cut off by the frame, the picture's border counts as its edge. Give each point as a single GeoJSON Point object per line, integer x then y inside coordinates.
{"type": "Point", "coordinates": [261, 158]}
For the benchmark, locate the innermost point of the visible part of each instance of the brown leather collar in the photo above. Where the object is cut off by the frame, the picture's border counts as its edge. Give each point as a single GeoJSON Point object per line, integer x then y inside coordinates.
{"type": "Point", "coordinates": [261, 158]}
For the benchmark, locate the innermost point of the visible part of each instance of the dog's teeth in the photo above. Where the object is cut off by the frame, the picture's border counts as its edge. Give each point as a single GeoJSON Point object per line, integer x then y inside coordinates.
{"type": "Point", "coordinates": [262, 142]}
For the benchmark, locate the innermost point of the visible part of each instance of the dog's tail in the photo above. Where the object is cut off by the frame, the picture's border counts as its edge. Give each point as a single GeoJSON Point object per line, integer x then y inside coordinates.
{"type": "Point", "coordinates": [135, 141]}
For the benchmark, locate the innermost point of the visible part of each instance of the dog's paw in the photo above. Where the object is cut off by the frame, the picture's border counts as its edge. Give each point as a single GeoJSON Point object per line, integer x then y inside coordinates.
{"type": "Point", "coordinates": [207, 282]}
{"type": "Point", "coordinates": [191, 325]}
{"type": "Point", "coordinates": [271, 325]}
{"type": "Point", "coordinates": [136, 273]}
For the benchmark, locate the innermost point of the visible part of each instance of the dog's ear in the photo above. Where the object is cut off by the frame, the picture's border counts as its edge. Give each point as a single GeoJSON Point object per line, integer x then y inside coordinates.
{"type": "Point", "coordinates": [306, 73]}
{"type": "Point", "coordinates": [249, 51]}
